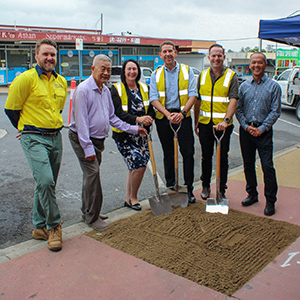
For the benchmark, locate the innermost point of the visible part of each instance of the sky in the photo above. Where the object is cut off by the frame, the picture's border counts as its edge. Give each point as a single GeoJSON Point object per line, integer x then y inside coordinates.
{"type": "Point", "coordinates": [232, 23]}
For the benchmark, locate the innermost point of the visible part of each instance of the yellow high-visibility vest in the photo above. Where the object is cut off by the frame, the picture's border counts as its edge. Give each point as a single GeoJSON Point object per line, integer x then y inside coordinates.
{"type": "Point", "coordinates": [183, 87]}
{"type": "Point", "coordinates": [214, 103]}
{"type": "Point", "coordinates": [124, 99]}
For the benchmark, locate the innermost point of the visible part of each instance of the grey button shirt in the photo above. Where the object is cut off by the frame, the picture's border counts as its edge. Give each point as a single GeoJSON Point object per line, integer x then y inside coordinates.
{"type": "Point", "coordinates": [259, 102]}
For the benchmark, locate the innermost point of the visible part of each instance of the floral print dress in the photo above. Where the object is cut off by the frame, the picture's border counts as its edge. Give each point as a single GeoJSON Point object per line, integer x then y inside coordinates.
{"type": "Point", "coordinates": [134, 148]}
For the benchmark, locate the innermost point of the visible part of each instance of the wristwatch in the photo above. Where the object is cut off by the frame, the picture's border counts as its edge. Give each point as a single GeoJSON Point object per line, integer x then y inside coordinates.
{"type": "Point", "coordinates": [184, 113]}
{"type": "Point", "coordinates": [227, 120]}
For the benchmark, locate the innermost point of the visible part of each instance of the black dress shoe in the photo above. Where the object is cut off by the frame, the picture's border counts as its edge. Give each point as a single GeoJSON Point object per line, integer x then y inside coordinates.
{"type": "Point", "coordinates": [269, 209]}
{"type": "Point", "coordinates": [134, 207]}
{"type": "Point", "coordinates": [205, 193]}
{"type": "Point", "coordinates": [191, 197]}
{"type": "Point", "coordinates": [249, 200]}
{"type": "Point", "coordinates": [222, 196]}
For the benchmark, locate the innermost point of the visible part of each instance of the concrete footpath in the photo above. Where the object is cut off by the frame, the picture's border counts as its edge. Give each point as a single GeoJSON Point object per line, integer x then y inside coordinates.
{"type": "Point", "coordinates": [88, 269]}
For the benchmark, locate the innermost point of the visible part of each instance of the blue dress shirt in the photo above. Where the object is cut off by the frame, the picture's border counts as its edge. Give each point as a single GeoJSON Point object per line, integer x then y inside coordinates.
{"type": "Point", "coordinates": [171, 86]}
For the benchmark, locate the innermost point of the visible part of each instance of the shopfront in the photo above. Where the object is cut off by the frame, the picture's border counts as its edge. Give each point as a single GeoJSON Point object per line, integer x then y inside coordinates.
{"type": "Point", "coordinates": [17, 45]}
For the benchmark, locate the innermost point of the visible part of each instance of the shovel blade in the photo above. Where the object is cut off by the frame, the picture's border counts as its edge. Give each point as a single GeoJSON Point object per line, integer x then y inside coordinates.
{"type": "Point", "coordinates": [212, 206]}
{"type": "Point", "coordinates": [160, 206]}
{"type": "Point", "coordinates": [179, 200]}
{"type": "Point", "coordinates": [175, 190]}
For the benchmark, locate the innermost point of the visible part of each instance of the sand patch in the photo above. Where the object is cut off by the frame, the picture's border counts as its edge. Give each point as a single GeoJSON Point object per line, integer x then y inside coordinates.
{"type": "Point", "coordinates": [222, 252]}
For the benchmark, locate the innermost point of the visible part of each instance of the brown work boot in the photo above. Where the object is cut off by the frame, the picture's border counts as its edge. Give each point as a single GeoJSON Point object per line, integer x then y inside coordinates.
{"type": "Point", "coordinates": [40, 233]}
{"type": "Point", "coordinates": [55, 238]}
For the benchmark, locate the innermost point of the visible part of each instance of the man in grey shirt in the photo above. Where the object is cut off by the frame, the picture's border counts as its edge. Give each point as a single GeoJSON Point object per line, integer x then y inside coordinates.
{"type": "Point", "coordinates": [258, 109]}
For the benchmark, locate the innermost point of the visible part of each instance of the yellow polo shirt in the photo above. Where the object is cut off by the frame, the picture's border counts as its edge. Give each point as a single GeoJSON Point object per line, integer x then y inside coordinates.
{"type": "Point", "coordinates": [40, 101]}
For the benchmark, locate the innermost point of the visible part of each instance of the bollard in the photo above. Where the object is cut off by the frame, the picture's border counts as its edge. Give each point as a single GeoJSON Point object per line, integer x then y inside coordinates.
{"type": "Point", "coordinates": [73, 86]}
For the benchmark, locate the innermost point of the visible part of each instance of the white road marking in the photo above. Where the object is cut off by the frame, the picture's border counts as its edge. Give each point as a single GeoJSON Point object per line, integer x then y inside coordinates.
{"type": "Point", "coordinates": [2, 133]}
{"type": "Point", "coordinates": [285, 121]}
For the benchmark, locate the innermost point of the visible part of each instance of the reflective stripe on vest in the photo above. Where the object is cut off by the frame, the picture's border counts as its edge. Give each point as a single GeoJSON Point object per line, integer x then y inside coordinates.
{"type": "Point", "coordinates": [124, 99]}
{"type": "Point", "coordinates": [183, 85]}
{"type": "Point", "coordinates": [219, 98]}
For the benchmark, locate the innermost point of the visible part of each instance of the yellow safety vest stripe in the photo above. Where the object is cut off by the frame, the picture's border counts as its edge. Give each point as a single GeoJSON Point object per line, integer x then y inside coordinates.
{"type": "Point", "coordinates": [218, 97]}
{"type": "Point", "coordinates": [124, 98]}
{"type": "Point", "coordinates": [183, 87]}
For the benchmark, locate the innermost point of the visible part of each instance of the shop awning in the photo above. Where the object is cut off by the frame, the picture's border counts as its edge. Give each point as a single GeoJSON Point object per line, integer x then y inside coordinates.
{"type": "Point", "coordinates": [286, 30]}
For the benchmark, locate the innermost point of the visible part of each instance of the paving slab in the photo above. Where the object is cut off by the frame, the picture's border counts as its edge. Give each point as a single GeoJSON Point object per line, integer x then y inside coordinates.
{"type": "Point", "coordinates": [278, 281]}
{"type": "Point", "coordinates": [88, 269]}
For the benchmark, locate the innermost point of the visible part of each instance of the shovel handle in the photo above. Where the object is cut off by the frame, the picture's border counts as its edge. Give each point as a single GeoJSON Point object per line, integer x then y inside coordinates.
{"type": "Point", "coordinates": [152, 157]}
{"type": "Point", "coordinates": [214, 133]}
{"type": "Point", "coordinates": [176, 152]}
{"type": "Point", "coordinates": [218, 165]}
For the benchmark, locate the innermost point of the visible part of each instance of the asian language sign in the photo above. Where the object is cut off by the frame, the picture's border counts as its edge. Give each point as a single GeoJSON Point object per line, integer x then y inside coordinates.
{"type": "Point", "coordinates": [288, 58]}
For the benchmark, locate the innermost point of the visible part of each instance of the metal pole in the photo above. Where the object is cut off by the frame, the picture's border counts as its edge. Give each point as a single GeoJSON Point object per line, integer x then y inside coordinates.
{"type": "Point", "coordinates": [260, 45]}
{"type": "Point", "coordinates": [276, 59]}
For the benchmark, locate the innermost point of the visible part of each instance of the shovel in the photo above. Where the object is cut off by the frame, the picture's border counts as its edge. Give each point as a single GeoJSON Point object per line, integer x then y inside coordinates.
{"type": "Point", "coordinates": [175, 197]}
{"type": "Point", "coordinates": [218, 205]}
{"type": "Point", "coordinates": [160, 204]}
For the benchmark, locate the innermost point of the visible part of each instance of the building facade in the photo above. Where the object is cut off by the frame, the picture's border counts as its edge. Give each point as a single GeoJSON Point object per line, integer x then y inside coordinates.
{"type": "Point", "coordinates": [17, 50]}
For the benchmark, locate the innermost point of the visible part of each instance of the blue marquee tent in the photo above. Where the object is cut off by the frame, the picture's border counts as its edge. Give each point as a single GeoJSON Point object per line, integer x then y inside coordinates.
{"type": "Point", "coordinates": [286, 30]}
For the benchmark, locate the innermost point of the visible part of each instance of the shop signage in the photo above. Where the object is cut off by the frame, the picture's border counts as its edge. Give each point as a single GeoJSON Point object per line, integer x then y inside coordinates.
{"type": "Point", "coordinates": [288, 58]}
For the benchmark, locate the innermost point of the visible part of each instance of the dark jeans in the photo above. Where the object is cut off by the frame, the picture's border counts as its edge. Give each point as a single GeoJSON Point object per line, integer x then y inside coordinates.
{"type": "Point", "coordinates": [186, 147]}
{"type": "Point", "coordinates": [207, 141]}
{"type": "Point", "coordinates": [264, 145]}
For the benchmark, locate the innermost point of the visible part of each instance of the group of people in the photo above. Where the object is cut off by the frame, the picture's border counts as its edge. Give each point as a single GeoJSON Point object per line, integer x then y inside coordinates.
{"type": "Point", "coordinates": [37, 97]}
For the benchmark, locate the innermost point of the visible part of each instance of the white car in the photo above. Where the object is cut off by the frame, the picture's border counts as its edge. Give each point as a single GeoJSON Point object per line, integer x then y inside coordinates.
{"type": "Point", "coordinates": [146, 75]}
{"type": "Point", "coordinates": [116, 72]}
{"type": "Point", "coordinates": [196, 72]}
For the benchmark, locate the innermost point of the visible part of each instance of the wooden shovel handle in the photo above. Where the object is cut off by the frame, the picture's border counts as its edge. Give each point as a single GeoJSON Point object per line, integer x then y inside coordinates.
{"type": "Point", "coordinates": [218, 167]}
{"type": "Point", "coordinates": [152, 157]}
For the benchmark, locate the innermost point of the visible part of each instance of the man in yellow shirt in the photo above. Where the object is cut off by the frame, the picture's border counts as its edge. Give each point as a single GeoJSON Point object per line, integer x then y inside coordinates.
{"type": "Point", "coordinates": [34, 104]}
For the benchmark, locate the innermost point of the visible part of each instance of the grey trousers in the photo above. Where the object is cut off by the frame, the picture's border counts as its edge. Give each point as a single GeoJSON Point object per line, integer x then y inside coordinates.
{"type": "Point", "coordinates": [91, 185]}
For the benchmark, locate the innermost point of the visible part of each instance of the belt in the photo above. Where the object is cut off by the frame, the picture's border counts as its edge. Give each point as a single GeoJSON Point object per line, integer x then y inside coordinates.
{"type": "Point", "coordinates": [92, 138]}
{"type": "Point", "coordinates": [254, 124]}
{"type": "Point", "coordinates": [41, 132]}
{"type": "Point", "coordinates": [171, 110]}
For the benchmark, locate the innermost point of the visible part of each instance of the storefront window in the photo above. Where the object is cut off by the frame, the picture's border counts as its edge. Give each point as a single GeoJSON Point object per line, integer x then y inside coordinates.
{"type": "Point", "coordinates": [69, 63]}
{"type": "Point", "coordinates": [129, 51]}
{"type": "Point", "coordinates": [147, 63]}
{"type": "Point", "coordinates": [87, 62]}
{"type": "Point", "coordinates": [2, 59]}
{"type": "Point", "coordinates": [145, 51]}
{"type": "Point", "coordinates": [18, 58]}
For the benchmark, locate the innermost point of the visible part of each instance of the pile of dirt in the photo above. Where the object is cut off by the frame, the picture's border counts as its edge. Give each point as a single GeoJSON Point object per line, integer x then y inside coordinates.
{"type": "Point", "coordinates": [222, 252]}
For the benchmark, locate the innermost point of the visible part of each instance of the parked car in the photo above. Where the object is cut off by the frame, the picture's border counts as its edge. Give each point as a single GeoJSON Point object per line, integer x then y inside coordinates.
{"type": "Point", "coordinates": [196, 72]}
{"type": "Point", "coordinates": [115, 76]}
{"type": "Point", "coordinates": [241, 77]}
{"type": "Point", "coordinates": [145, 75]}
{"type": "Point", "coordinates": [116, 72]}
{"type": "Point", "coordinates": [289, 82]}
